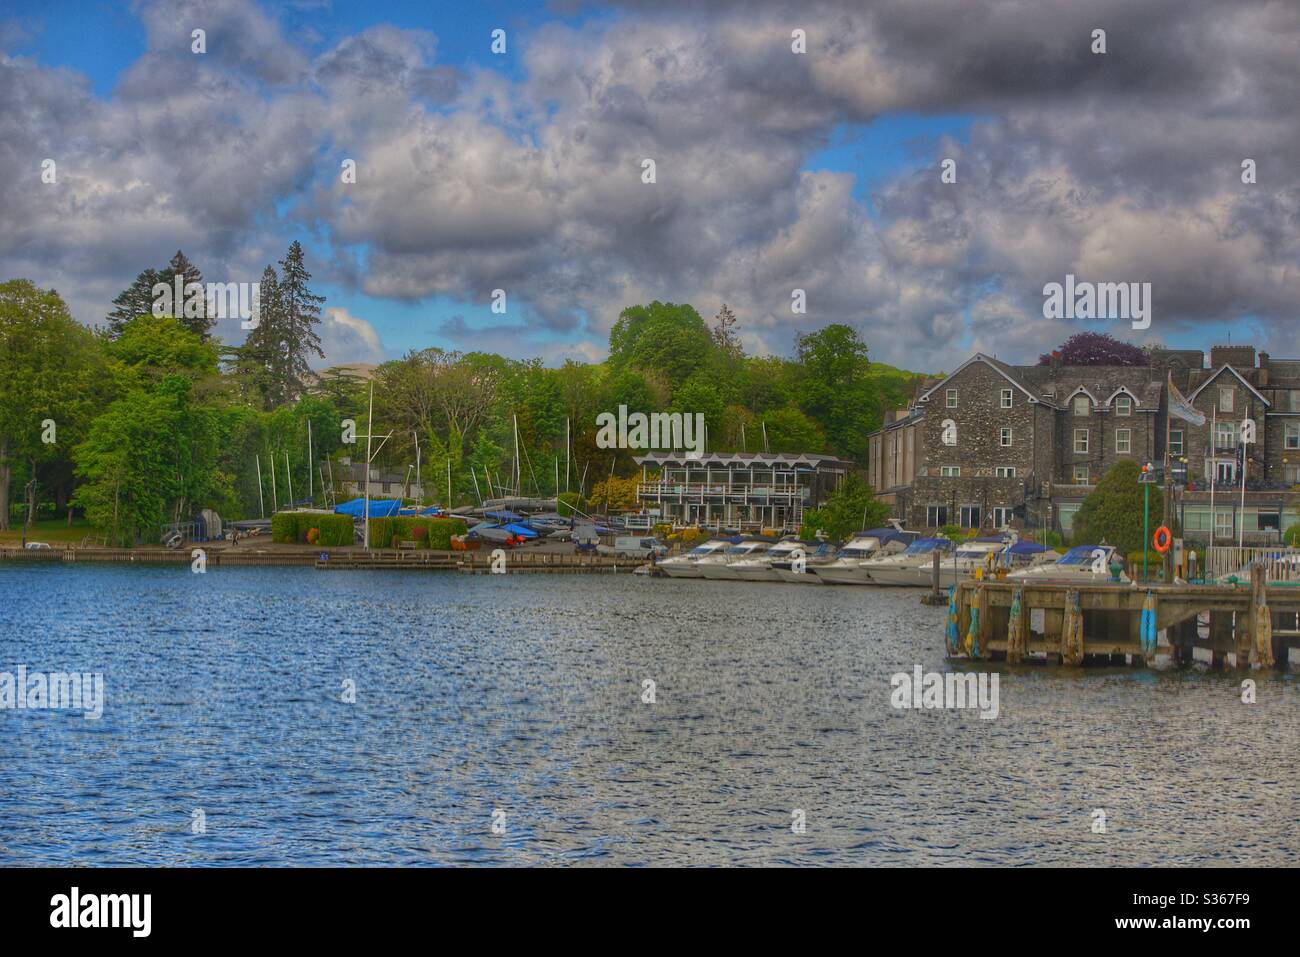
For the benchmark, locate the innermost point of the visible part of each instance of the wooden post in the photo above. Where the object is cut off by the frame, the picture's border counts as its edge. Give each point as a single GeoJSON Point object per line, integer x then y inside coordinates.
{"type": "Point", "coordinates": [934, 573]}
{"type": "Point", "coordinates": [1260, 620]}
{"type": "Point", "coordinates": [1072, 630]}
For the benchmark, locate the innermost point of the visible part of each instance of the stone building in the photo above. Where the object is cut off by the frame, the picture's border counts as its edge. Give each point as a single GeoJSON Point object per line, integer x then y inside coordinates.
{"type": "Point", "coordinates": [992, 445]}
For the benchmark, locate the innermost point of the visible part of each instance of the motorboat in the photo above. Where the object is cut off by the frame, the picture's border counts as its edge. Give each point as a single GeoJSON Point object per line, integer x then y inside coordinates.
{"type": "Point", "coordinates": [757, 567]}
{"type": "Point", "coordinates": [970, 555]}
{"type": "Point", "coordinates": [723, 566]}
{"type": "Point", "coordinates": [846, 568]}
{"type": "Point", "coordinates": [687, 566]}
{"type": "Point", "coordinates": [1082, 563]}
{"type": "Point", "coordinates": [822, 554]}
{"type": "Point", "coordinates": [901, 568]}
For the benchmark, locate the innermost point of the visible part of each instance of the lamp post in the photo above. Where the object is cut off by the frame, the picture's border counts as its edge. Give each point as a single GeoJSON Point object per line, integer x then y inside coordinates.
{"type": "Point", "coordinates": [1146, 514]}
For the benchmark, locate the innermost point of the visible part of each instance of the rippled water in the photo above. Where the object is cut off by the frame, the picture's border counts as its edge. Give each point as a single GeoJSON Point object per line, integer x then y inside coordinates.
{"type": "Point", "coordinates": [523, 694]}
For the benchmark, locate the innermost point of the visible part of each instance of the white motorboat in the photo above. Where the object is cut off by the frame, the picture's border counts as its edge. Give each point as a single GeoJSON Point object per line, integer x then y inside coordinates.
{"type": "Point", "coordinates": [970, 555]}
{"type": "Point", "coordinates": [1082, 563]}
{"type": "Point", "coordinates": [901, 568]}
{"type": "Point", "coordinates": [846, 569]}
{"type": "Point", "coordinates": [687, 566]}
{"type": "Point", "coordinates": [822, 554]}
{"type": "Point", "coordinates": [723, 566]}
{"type": "Point", "coordinates": [759, 567]}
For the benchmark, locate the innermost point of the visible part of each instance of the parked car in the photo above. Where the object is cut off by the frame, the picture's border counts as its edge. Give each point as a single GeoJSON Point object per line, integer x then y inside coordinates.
{"type": "Point", "coordinates": [38, 545]}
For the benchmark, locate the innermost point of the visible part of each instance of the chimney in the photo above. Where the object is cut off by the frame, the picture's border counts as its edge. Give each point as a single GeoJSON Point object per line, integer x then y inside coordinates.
{"type": "Point", "coordinates": [1263, 368]}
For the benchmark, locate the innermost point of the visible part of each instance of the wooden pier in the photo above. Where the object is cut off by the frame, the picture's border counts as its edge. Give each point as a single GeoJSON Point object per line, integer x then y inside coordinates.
{"type": "Point", "coordinates": [1256, 622]}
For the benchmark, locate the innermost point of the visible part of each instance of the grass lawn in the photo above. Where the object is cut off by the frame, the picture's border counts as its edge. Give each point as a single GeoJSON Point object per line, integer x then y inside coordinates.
{"type": "Point", "coordinates": [50, 530]}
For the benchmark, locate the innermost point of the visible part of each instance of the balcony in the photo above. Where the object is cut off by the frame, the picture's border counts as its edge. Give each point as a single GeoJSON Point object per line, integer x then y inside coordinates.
{"type": "Point", "coordinates": [722, 493]}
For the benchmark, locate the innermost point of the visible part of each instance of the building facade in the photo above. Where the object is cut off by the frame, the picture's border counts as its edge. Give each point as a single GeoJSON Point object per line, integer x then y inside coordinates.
{"type": "Point", "coordinates": [736, 490]}
{"type": "Point", "coordinates": [992, 445]}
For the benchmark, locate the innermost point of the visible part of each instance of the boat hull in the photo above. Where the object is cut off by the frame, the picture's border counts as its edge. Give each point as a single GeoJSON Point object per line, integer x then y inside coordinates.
{"type": "Point", "coordinates": [754, 573]}
{"type": "Point", "coordinates": [680, 569]}
{"type": "Point", "coordinates": [904, 576]}
{"type": "Point", "coordinates": [842, 575]}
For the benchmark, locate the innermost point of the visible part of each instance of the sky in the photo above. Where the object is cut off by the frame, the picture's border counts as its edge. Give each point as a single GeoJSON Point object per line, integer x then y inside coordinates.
{"type": "Point", "coordinates": [775, 170]}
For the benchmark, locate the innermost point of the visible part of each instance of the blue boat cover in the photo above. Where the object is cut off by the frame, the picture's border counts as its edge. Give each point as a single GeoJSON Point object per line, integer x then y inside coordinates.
{"type": "Point", "coordinates": [505, 515]}
{"type": "Point", "coordinates": [1027, 548]}
{"type": "Point", "coordinates": [520, 530]}
{"type": "Point", "coordinates": [379, 508]}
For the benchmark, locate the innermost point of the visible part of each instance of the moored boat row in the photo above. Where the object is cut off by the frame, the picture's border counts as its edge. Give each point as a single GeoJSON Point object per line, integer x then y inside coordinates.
{"type": "Point", "coordinates": [891, 557]}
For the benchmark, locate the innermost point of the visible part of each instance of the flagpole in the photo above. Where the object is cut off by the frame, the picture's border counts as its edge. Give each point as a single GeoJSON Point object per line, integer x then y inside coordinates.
{"type": "Point", "coordinates": [1241, 513]}
{"type": "Point", "coordinates": [1168, 557]}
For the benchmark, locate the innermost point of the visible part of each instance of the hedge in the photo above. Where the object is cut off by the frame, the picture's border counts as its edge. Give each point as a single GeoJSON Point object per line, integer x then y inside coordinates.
{"type": "Point", "coordinates": [292, 527]}
{"type": "Point", "coordinates": [384, 531]}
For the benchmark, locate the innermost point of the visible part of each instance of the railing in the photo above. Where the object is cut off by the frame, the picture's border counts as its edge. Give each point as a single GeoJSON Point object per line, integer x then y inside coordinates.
{"type": "Point", "coordinates": [1282, 564]}
{"type": "Point", "coordinates": [653, 491]}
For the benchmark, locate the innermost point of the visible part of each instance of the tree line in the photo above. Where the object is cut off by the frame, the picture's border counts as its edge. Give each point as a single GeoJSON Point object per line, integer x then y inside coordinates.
{"type": "Point", "coordinates": [156, 418]}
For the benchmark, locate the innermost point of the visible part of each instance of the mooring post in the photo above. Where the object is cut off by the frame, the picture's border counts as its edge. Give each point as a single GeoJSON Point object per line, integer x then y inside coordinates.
{"type": "Point", "coordinates": [1260, 619]}
{"type": "Point", "coordinates": [934, 573]}
{"type": "Point", "coordinates": [1017, 628]}
{"type": "Point", "coordinates": [1072, 630]}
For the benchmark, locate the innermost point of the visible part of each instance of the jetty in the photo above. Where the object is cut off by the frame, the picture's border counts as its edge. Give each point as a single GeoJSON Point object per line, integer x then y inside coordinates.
{"type": "Point", "coordinates": [1252, 619]}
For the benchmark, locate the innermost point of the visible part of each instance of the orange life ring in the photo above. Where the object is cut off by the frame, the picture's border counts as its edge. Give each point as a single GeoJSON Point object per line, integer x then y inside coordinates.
{"type": "Point", "coordinates": [1162, 539]}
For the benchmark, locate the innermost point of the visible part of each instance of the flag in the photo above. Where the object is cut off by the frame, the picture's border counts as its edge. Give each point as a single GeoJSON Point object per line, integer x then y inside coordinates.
{"type": "Point", "coordinates": [1180, 408]}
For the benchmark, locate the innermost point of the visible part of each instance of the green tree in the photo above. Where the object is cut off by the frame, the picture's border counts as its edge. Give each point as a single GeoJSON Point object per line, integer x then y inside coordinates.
{"type": "Point", "coordinates": [1113, 512]}
{"type": "Point", "coordinates": [52, 370]}
{"type": "Point", "coordinates": [834, 387]}
{"type": "Point", "coordinates": [663, 337]}
{"type": "Point", "coordinates": [789, 430]}
{"type": "Point", "coordinates": [157, 346]}
{"type": "Point", "coordinates": [849, 508]}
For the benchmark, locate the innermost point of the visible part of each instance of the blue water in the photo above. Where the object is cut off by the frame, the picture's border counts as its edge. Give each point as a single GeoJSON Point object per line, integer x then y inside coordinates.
{"type": "Point", "coordinates": [522, 694]}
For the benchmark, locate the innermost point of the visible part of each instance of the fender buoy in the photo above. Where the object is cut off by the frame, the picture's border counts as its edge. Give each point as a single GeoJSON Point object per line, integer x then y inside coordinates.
{"type": "Point", "coordinates": [1162, 539]}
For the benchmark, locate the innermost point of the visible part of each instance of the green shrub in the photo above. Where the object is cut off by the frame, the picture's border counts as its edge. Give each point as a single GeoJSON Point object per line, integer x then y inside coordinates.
{"type": "Point", "coordinates": [568, 501]}
{"type": "Point", "coordinates": [1053, 539]}
{"type": "Point", "coordinates": [1292, 536]}
{"type": "Point", "coordinates": [284, 528]}
{"type": "Point", "coordinates": [335, 530]}
{"type": "Point", "coordinates": [441, 530]}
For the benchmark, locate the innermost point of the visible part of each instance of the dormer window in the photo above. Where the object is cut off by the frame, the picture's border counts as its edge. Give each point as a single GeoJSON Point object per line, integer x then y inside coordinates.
{"type": "Point", "coordinates": [1081, 404]}
{"type": "Point", "coordinates": [1123, 405]}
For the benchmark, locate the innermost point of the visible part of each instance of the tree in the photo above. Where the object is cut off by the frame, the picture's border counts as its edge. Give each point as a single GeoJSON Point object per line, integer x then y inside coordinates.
{"type": "Point", "coordinates": [1097, 349]}
{"type": "Point", "coordinates": [301, 314]}
{"type": "Point", "coordinates": [51, 370]}
{"type": "Point", "coordinates": [274, 358]}
{"type": "Point", "coordinates": [134, 301]}
{"type": "Point", "coordinates": [147, 460]}
{"type": "Point", "coordinates": [834, 387]}
{"type": "Point", "coordinates": [1113, 513]}
{"type": "Point", "coordinates": [615, 494]}
{"type": "Point", "coordinates": [663, 337]}
{"type": "Point", "coordinates": [849, 508]}
{"type": "Point", "coordinates": [789, 430]}
{"type": "Point", "coordinates": [137, 299]}
{"type": "Point", "coordinates": [156, 346]}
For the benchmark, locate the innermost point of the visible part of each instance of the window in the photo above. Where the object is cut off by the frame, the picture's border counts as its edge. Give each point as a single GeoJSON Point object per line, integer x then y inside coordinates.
{"type": "Point", "coordinates": [1292, 438]}
{"type": "Point", "coordinates": [950, 471]}
{"type": "Point", "coordinates": [1006, 398]}
{"type": "Point", "coordinates": [1080, 441]}
{"type": "Point", "coordinates": [1123, 405]}
{"type": "Point", "coordinates": [1291, 474]}
{"type": "Point", "coordinates": [1065, 515]}
{"type": "Point", "coordinates": [1123, 441]}
{"type": "Point", "coordinates": [1175, 441]}
{"type": "Point", "coordinates": [970, 516]}
{"type": "Point", "coordinates": [1225, 398]}
{"type": "Point", "coordinates": [1223, 524]}
{"type": "Point", "coordinates": [936, 516]}
{"type": "Point", "coordinates": [952, 398]}
{"type": "Point", "coordinates": [1081, 405]}
{"type": "Point", "coordinates": [1005, 471]}
{"type": "Point", "coordinates": [1225, 435]}
{"type": "Point", "coordinates": [1225, 473]}
{"type": "Point", "coordinates": [1268, 521]}
{"type": "Point", "coordinates": [1004, 437]}
{"type": "Point", "coordinates": [1081, 475]}
{"type": "Point", "coordinates": [1001, 517]}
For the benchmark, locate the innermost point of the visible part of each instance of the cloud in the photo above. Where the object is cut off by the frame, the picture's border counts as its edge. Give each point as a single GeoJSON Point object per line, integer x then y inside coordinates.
{"type": "Point", "coordinates": [347, 338]}
{"type": "Point", "coordinates": [1117, 167]}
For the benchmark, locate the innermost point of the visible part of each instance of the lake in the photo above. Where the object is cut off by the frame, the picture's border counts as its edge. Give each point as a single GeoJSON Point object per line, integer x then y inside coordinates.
{"type": "Point", "coordinates": [515, 703]}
